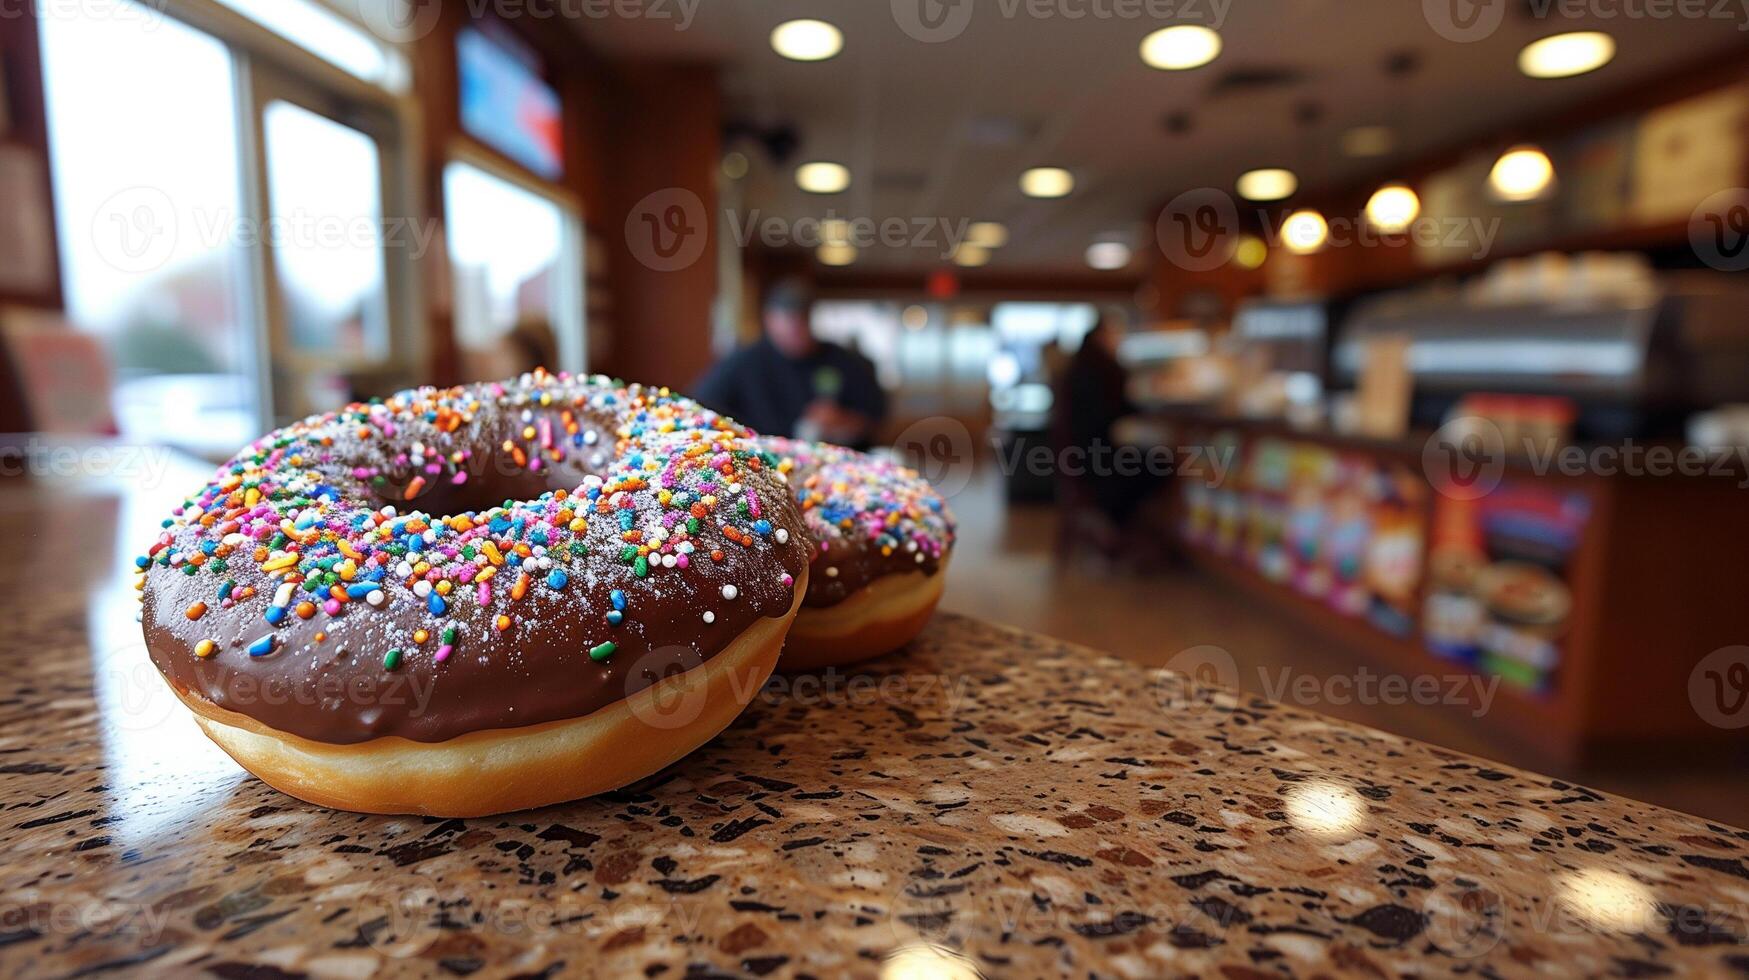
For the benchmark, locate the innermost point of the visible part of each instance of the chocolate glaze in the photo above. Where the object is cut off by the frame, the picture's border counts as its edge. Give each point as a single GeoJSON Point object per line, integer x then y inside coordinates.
{"type": "Point", "coordinates": [867, 516]}
{"type": "Point", "coordinates": [339, 691]}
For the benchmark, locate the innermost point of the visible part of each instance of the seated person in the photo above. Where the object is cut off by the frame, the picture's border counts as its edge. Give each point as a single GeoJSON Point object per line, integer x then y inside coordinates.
{"type": "Point", "coordinates": [790, 383]}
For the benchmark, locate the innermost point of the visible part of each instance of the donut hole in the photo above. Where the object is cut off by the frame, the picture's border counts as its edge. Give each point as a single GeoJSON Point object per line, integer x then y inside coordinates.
{"type": "Point", "coordinates": [491, 477]}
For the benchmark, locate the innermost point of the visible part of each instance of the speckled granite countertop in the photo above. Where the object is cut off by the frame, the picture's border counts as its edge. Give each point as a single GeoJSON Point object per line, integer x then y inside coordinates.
{"type": "Point", "coordinates": [990, 802]}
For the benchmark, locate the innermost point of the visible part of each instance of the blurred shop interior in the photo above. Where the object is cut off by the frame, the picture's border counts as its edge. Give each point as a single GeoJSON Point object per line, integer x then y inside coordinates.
{"type": "Point", "coordinates": [1365, 285]}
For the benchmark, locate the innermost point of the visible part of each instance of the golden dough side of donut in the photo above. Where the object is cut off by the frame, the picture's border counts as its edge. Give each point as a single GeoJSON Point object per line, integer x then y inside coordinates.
{"type": "Point", "coordinates": [507, 769]}
{"type": "Point", "coordinates": [876, 619]}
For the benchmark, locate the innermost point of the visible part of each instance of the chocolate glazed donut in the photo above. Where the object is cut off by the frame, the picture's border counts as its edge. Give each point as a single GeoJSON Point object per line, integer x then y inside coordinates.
{"type": "Point", "coordinates": [471, 600]}
{"type": "Point", "coordinates": [882, 537]}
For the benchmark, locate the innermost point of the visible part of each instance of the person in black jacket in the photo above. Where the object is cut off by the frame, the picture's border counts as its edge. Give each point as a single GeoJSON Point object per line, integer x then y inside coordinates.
{"type": "Point", "coordinates": [1091, 396]}
{"type": "Point", "coordinates": [791, 383]}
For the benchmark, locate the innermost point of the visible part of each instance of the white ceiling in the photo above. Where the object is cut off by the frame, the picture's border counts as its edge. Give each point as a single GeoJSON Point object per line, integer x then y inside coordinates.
{"type": "Point", "coordinates": [942, 130]}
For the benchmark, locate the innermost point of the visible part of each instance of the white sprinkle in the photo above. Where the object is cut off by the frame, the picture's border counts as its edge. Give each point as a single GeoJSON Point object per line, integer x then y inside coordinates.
{"type": "Point", "coordinates": [669, 561]}
{"type": "Point", "coordinates": [375, 597]}
{"type": "Point", "coordinates": [730, 592]}
{"type": "Point", "coordinates": [919, 557]}
{"type": "Point", "coordinates": [831, 571]}
{"type": "Point", "coordinates": [422, 588]}
{"type": "Point", "coordinates": [782, 536]}
{"type": "Point", "coordinates": [283, 596]}
{"type": "Point", "coordinates": [710, 617]}
{"type": "Point", "coordinates": [404, 570]}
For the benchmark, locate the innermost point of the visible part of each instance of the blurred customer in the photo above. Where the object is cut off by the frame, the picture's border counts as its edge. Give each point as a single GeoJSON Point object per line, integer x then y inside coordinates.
{"type": "Point", "coordinates": [1091, 396]}
{"type": "Point", "coordinates": [791, 383]}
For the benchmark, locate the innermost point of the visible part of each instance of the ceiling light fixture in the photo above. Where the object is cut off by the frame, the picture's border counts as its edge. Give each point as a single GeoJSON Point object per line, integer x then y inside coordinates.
{"type": "Point", "coordinates": [970, 256]}
{"type": "Point", "coordinates": [1251, 253]}
{"type": "Point", "coordinates": [822, 177]}
{"type": "Point", "coordinates": [1522, 173]}
{"type": "Point", "coordinates": [806, 40]}
{"type": "Point", "coordinates": [1368, 141]}
{"type": "Point", "coordinates": [1393, 208]}
{"type": "Point", "coordinates": [989, 234]}
{"type": "Point", "coordinates": [1182, 47]}
{"type": "Point", "coordinates": [836, 254]}
{"type": "Point", "coordinates": [1267, 184]}
{"type": "Point", "coordinates": [1305, 232]}
{"type": "Point", "coordinates": [1566, 55]}
{"type": "Point", "coordinates": [1047, 182]}
{"type": "Point", "coordinates": [1107, 256]}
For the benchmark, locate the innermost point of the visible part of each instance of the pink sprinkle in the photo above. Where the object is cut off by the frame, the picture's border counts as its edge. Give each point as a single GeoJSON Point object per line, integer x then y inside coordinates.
{"type": "Point", "coordinates": [788, 580]}
{"type": "Point", "coordinates": [461, 476]}
{"type": "Point", "coordinates": [484, 593]}
{"type": "Point", "coordinates": [443, 653]}
{"type": "Point", "coordinates": [331, 607]}
{"type": "Point", "coordinates": [680, 560]}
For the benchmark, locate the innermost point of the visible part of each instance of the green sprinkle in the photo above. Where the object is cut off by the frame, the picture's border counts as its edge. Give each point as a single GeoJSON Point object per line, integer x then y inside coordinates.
{"type": "Point", "coordinates": [601, 651]}
{"type": "Point", "coordinates": [392, 659]}
{"type": "Point", "coordinates": [641, 566]}
{"type": "Point", "coordinates": [449, 634]}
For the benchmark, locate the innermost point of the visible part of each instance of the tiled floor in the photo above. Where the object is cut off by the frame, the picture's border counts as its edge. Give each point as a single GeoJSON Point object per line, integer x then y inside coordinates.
{"type": "Point", "coordinates": [1003, 570]}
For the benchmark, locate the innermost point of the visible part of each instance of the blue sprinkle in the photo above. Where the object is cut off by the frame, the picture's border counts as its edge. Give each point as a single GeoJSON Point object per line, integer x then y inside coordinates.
{"type": "Point", "coordinates": [625, 520]}
{"type": "Point", "coordinates": [142, 561]}
{"type": "Point", "coordinates": [414, 542]}
{"type": "Point", "coordinates": [275, 614]}
{"type": "Point", "coordinates": [261, 647]}
{"type": "Point", "coordinates": [557, 579]}
{"type": "Point", "coordinates": [762, 526]}
{"type": "Point", "coordinates": [615, 617]}
{"type": "Point", "coordinates": [208, 547]}
{"type": "Point", "coordinates": [435, 603]}
{"type": "Point", "coordinates": [618, 599]}
{"type": "Point", "coordinates": [359, 590]}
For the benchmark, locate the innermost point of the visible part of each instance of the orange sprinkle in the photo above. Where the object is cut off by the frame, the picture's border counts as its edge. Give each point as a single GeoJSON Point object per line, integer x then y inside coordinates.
{"type": "Point", "coordinates": [306, 609]}
{"type": "Point", "coordinates": [205, 649]}
{"type": "Point", "coordinates": [196, 611]}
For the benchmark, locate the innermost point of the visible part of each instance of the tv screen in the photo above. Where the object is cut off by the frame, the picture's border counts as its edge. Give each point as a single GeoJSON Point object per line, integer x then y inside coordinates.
{"type": "Point", "coordinates": [506, 105]}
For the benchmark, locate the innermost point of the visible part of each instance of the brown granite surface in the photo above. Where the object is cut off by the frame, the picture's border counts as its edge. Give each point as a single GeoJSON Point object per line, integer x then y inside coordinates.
{"type": "Point", "coordinates": [990, 802]}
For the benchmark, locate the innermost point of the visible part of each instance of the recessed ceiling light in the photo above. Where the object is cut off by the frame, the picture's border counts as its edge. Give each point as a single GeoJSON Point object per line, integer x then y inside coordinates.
{"type": "Point", "coordinates": [822, 177]}
{"type": "Point", "coordinates": [806, 40]}
{"type": "Point", "coordinates": [1181, 47]}
{"type": "Point", "coordinates": [971, 256]}
{"type": "Point", "coordinates": [1046, 182]}
{"type": "Point", "coordinates": [1251, 253]}
{"type": "Point", "coordinates": [1521, 174]}
{"type": "Point", "coordinates": [1108, 255]}
{"type": "Point", "coordinates": [1304, 232]}
{"type": "Point", "coordinates": [1368, 141]}
{"type": "Point", "coordinates": [1268, 184]}
{"type": "Point", "coordinates": [1566, 55]}
{"type": "Point", "coordinates": [989, 234]}
{"type": "Point", "coordinates": [836, 254]}
{"type": "Point", "coordinates": [735, 165]}
{"type": "Point", "coordinates": [1393, 207]}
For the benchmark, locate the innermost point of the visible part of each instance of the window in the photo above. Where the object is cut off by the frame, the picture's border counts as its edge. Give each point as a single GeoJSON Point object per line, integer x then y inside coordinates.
{"type": "Point", "coordinates": [329, 36]}
{"type": "Point", "coordinates": [518, 273]}
{"type": "Point", "coordinates": [147, 196]}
